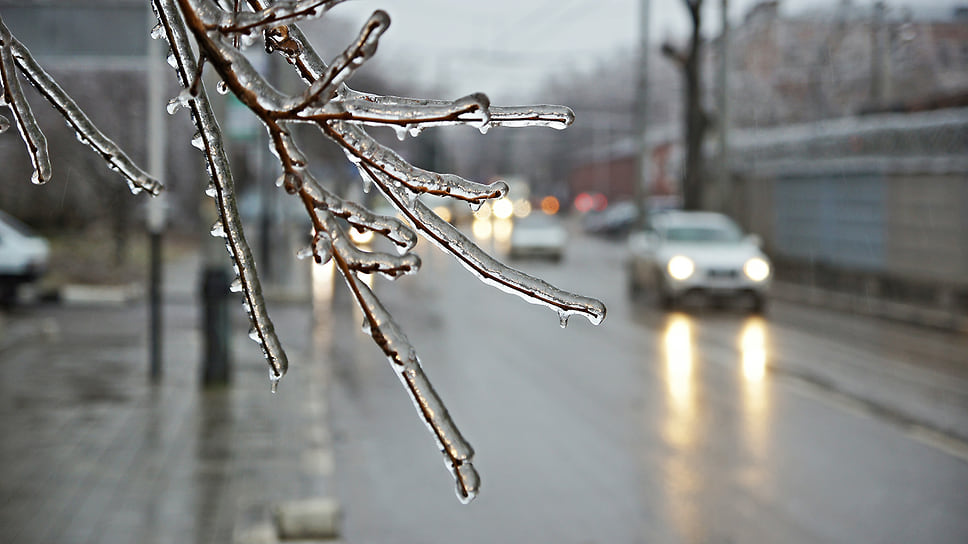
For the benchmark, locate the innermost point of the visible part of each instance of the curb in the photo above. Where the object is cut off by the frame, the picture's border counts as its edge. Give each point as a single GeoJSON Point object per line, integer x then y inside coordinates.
{"type": "Point", "coordinates": [872, 307]}
{"type": "Point", "coordinates": [76, 294]}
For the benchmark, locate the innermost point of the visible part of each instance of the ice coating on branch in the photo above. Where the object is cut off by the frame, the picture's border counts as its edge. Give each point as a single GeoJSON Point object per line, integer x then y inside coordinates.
{"type": "Point", "coordinates": [221, 177]}
{"type": "Point", "coordinates": [20, 109]}
{"type": "Point", "coordinates": [365, 149]}
{"type": "Point", "coordinates": [405, 363]}
{"type": "Point", "coordinates": [14, 55]}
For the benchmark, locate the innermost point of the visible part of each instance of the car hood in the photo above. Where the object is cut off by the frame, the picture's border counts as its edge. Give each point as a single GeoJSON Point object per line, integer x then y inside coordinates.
{"type": "Point", "coordinates": [726, 255]}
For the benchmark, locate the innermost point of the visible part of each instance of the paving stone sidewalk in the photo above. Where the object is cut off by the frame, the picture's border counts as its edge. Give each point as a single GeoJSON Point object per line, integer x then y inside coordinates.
{"type": "Point", "coordinates": [94, 453]}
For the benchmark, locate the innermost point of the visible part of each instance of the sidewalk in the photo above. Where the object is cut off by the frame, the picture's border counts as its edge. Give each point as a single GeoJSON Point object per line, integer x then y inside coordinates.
{"type": "Point", "coordinates": [93, 453]}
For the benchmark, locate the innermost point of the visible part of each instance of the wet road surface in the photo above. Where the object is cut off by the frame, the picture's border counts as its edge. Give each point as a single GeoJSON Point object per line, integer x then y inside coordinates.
{"type": "Point", "coordinates": [701, 426]}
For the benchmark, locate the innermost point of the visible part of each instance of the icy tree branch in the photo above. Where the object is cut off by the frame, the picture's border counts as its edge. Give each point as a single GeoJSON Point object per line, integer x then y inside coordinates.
{"type": "Point", "coordinates": [219, 30]}
{"type": "Point", "coordinates": [14, 55]}
{"type": "Point", "coordinates": [229, 225]}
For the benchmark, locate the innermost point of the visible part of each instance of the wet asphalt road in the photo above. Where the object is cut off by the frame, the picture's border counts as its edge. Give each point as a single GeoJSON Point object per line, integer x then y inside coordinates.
{"type": "Point", "coordinates": [696, 427]}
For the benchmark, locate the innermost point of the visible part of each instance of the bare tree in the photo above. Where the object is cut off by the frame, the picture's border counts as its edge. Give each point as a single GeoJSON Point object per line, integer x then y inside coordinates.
{"type": "Point", "coordinates": [695, 119]}
{"type": "Point", "coordinates": [220, 30]}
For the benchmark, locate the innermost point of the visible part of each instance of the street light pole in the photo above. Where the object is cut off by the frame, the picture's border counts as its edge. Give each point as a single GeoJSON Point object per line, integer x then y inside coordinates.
{"type": "Point", "coordinates": [157, 139]}
{"type": "Point", "coordinates": [722, 125]}
{"type": "Point", "coordinates": [641, 114]}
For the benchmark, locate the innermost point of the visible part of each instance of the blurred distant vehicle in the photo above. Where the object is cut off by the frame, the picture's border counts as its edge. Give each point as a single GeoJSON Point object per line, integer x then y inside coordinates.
{"type": "Point", "coordinates": [23, 256]}
{"type": "Point", "coordinates": [538, 235]}
{"type": "Point", "coordinates": [614, 222]}
{"type": "Point", "coordinates": [698, 253]}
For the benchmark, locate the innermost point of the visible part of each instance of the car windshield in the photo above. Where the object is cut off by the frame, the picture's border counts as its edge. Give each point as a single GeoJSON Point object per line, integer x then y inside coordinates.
{"type": "Point", "coordinates": [702, 234]}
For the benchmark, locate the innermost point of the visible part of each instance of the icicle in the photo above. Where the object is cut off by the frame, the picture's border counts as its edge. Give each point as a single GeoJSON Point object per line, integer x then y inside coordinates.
{"type": "Point", "coordinates": [172, 60]}
{"type": "Point", "coordinates": [211, 190]}
{"type": "Point", "coordinates": [304, 253]}
{"type": "Point", "coordinates": [274, 381]}
{"type": "Point", "coordinates": [222, 87]}
{"type": "Point", "coordinates": [198, 142]}
{"type": "Point", "coordinates": [158, 31]}
{"type": "Point", "coordinates": [563, 319]}
{"type": "Point", "coordinates": [322, 247]}
{"type": "Point", "coordinates": [366, 328]}
{"type": "Point", "coordinates": [4, 124]}
{"type": "Point", "coordinates": [255, 336]}
{"type": "Point", "coordinates": [218, 230]}
{"type": "Point", "coordinates": [179, 101]}
{"type": "Point", "coordinates": [37, 179]}
{"type": "Point", "coordinates": [401, 132]}
{"type": "Point", "coordinates": [367, 180]}
{"type": "Point", "coordinates": [236, 285]}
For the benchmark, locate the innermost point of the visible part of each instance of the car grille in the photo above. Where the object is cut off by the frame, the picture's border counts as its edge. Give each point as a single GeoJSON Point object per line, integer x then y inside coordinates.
{"type": "Point", "coordinates": [722, 273]}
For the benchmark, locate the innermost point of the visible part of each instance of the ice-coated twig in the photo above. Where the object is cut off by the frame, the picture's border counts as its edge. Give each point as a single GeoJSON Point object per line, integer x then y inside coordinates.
{"type": "Point", "coordinates": [222, 190]}
{"type": "Point", "coordinates": [343, 66]}
{"type": "Point", "coordinates": [117, 160]}
{"type": "Point", "coordinates": [23, 116]}
{"type": "Point", "coordinates": [215, 18]}
{"type": "Point", "coordinates": [357, 216]}
{"type": "Point", "coordinates": [458, 453]}
{"type": "Point", "coordinates": [485, 267]}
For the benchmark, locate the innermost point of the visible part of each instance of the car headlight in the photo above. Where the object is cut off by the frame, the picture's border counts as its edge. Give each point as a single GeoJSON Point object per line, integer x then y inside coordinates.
{"type": "Point", "coordinates": [680, 267]}
{"type": "Point", "coordinates": [756, 269]}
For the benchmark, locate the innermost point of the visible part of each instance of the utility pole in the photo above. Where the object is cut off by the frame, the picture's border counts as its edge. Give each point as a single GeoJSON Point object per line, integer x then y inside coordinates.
{"type": "Point", "coordinates": [641, 115]}
{"type": "Point", "coordinates": [724, 185]}
{"type": "Point", "coordinates": [880, 90]}
{"type": "Point", "coordinates": [157, 139]}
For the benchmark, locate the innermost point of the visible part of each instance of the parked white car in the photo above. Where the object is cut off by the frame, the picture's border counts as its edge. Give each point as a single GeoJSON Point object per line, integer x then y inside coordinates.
{"type": "Point", "coordinates": [23, 256]}
{"type": "Point", "coordinates": [683, 254]}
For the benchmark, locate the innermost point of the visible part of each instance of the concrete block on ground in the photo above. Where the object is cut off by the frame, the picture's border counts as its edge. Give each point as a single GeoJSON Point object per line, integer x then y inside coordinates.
{"type": "Point", "coordinates": [310, 519]}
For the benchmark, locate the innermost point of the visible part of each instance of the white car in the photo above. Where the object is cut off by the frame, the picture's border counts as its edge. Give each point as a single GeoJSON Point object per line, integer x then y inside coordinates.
{"type": "Point", "coordinates": [683, 254]}
{"type": "Point", "coordinates": [23, 256]}
{"type": "Point", "coordinates": [538, 235]}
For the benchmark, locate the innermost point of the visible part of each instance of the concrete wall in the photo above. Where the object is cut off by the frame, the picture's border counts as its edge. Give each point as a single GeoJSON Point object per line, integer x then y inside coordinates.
{"type": "Point", "coordinates": [877, 204]}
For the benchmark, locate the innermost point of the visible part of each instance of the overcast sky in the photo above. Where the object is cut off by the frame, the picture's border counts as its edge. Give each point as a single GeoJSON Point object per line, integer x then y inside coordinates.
{"type": "Point", "coordinates": [470, 43]}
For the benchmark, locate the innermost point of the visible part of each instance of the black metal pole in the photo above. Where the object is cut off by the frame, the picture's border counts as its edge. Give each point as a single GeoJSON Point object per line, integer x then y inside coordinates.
{"type": "Point", "coordinates": [154, 304]}
{"type": "Point", "coordinates": [216, 366]}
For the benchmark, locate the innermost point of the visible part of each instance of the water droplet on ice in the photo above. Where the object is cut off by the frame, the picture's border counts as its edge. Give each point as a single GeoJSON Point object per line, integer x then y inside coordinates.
{"type": "Point", "coordinates": [222, 87]}
{"type": "Point", "coordinates": [236, 285]}
{"type": "Point", "coordinates": [211, 190]}
{"type": "Point", "coordinates": [255, 336]}
{"type": "Point", "coordinates": [172, 60]}
{"type": "Point", "coordinates": [401, 132]}
{"type": "Point", "coordinates": [4, 124]}
{"type": "Point", "coordinates": [158, 31]}
{"type": "Point", "coordinates": [415, 130]}
{"type": "Point", "coordinates": [484, 128]}
{"type": "Point", "coordinates": [218, 230]}
{"type": "Point", "coordinates": [36, 179]}
{"type": "Point", "coordinates": [197, 141]}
